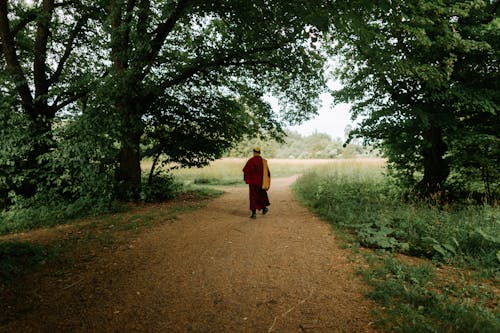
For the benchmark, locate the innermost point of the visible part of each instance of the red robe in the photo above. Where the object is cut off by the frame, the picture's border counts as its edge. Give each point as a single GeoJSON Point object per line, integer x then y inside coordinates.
{"type": "Point", "coordinates": [253, 174]}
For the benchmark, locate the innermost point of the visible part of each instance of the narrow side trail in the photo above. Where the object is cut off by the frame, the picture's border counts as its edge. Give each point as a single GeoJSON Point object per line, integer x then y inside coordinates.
{"type": "Point", "coordinates": [211, 270]}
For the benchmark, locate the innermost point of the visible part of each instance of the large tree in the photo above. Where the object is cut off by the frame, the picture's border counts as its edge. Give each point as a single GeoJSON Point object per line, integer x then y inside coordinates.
{"type": "Point", "coordinates": [180, 79]}
{"type": "Point", "coordinates": [179, 67]}
{"type": "Point", "coordinates": [408, 69]}
{"type": "Point", "coordinates": [44, 71]}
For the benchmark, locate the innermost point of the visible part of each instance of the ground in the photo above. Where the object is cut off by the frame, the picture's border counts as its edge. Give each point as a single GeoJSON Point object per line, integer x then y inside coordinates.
{"type": "Point", "coordinates": [210, 270]}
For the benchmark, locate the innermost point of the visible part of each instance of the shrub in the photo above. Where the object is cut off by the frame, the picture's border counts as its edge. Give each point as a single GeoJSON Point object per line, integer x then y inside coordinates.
{"type": "Point", "coordinates": [43, 211]}
{"type": "Point", "coordinates": [162, 186]}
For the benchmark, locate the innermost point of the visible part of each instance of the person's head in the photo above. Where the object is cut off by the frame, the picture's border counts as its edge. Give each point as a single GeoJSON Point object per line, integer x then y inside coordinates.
{"type": "Point", "coordinates": [256, 151]}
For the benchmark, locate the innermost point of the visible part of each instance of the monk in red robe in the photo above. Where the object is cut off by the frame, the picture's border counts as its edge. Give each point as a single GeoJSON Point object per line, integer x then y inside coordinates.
{"type": "Point", "coordinates": [257, 176]}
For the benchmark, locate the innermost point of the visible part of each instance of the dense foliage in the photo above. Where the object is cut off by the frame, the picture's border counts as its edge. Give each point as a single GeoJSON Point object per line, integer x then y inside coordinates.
{"type": "Point", "coordinates": [457, 234]}
{"type": "Point", "coordinates": [90, 88]}
{"type": "Point", "coordinates": [424, 77]}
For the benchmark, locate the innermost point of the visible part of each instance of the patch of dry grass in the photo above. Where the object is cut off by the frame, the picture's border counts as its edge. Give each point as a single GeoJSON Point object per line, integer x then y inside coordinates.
{"type": "Point", "coordinates": [229, 170]}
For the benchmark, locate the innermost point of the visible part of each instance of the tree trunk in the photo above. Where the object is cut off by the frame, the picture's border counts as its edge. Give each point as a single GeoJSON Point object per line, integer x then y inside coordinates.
{"type": "Point", "coordinates": [128, 173]}
{"type": "Point", "coordinates": [41, 116]}
{"type": "Point", "coordinates": [40, 129]}
{"type": "Point", "coordinates": [153, 166]}
{"type": "Point", "coordinates": [436, 168]}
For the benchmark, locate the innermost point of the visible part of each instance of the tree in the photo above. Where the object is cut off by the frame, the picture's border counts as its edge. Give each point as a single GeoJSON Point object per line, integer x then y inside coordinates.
{"type": "Point", "coordinates": [42, 58]}
{"type": "Point", "coordinates": [171, 57]}
{"type": "Point", "coordinates": [149, 77]}
{"type": "Point", "coordinates": [406, 64]}
{"type": "Point", "coordinates": [474, 146]}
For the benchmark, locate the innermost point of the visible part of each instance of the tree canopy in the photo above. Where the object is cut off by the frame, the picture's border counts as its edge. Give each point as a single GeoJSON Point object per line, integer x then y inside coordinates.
{"type": "Point", "coordinates": [424, 79]}
{"type": "Point", "coordinates": [92, 87]}
{"type": "Point", "coordinates": [297, 146]}
{"type": "Point", "coordinates": [89, 88]}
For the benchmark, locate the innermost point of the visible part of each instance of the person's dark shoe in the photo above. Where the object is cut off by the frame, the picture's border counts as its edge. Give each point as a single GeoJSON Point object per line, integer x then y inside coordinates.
{"type": "Point", "coordinates": [265, 210]}
{"type": "Point", "coordinates": [253, 216]}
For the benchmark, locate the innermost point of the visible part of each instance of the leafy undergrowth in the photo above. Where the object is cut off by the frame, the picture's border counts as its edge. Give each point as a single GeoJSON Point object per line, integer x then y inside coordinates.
{"type": "Point", "coordinates": [51, 210]}
{"type": "Point", "coordinates": [416, 299]}
{"type": "Point", "coordinates": [361, 205]}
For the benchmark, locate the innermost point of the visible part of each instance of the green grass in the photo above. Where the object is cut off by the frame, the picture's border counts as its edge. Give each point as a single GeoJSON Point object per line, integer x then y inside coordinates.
{"type": "Point", "coordinates": [52, 213]}
{"type": "Point", "coordinates": [18, 219]}
{"type": "Point", "coordinates": [361, 203]}
{"type": "Point", "coordinates": [414, 300]}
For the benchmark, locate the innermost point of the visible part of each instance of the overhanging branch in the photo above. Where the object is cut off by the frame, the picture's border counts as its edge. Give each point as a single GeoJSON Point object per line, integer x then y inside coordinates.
{"type": "Point", "coordinates": [162, 31]}
{"type": "Point", "coordinates": [234, 59]}
{"type": "Point", "coordinates": [31, 16]}
{"type": "Point", "coordinates": [71, 99]}
{"type": "Point", "coordinates": [68, 49]}
{"type": "Point", "coordinates": [12, 60]}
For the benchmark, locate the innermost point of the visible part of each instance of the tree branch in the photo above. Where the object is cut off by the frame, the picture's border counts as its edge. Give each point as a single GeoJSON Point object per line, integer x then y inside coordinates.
{"type": "Point", "coordinates": [120, 40]}
{"type": "Point", "coordinates": [68, 49]}
{"type": "Point", "coordinates": [23, 23]}
{"type": "Point", "coordinates": [234, 59]}
{"type": "Point", "coordinates": [143, 17]}
{"type": "Point", "coordinates": [128, 20]}
{"type": "Point", "coordinates": [30, 17]}
{"type": "Point", "coordinates": [162, 31]}
{"type": "Point", "coordinates": [58, 106]}
{"type": "Point", "coordinates": [40, 49]}
{"type": "Point", "coordinates": [12, 61]}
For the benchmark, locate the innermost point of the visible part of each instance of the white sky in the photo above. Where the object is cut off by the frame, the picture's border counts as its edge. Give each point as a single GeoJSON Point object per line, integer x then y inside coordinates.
{"type": "Point", "coordinates": [331, 119]}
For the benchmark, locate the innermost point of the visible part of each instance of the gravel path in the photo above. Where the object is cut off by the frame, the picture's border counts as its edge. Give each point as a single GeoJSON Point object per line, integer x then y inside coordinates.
{"type": "Point", "coordinates": [211, 270]}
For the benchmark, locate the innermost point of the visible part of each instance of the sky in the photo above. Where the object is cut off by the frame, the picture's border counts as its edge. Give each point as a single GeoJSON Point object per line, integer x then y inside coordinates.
{"type": "Point", "coordinates": [331, 119]}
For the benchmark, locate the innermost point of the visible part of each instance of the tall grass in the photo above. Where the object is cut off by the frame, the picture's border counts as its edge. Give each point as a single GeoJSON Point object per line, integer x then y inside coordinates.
{"type": "Point", "coordinates": [362, 200]}
{"type": "Point", "coordinates": [228, 171]}
{"type": "Point", "coordinates": [359, 200]}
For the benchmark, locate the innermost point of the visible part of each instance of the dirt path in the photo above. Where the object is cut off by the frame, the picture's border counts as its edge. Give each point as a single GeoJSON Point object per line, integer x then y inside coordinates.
{"type": "Point", "coordinates": [212, 270]}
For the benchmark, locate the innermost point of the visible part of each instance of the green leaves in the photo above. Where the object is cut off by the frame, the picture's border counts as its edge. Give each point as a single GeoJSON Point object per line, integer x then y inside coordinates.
{"type": "Point", "coordinates": [378, 217]}
{"type": "Point", "coordinates": [421, 67]}
{"type": "Point", "coordinates": [180, 81]}
{"type": "Point", "coordinates": [380, 235]}
{"type": "Point", "coordinates": [444, 250]}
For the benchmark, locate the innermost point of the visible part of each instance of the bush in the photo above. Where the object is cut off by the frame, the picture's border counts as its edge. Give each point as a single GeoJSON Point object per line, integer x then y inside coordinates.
{"type": "Point", "coordinates": [162, 187]}
{"type": "Point", "coordinates": [48, 210]}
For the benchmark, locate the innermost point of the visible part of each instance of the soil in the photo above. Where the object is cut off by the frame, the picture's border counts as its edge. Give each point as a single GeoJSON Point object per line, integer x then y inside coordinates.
{"type": "Point", "coordinates": [210, 270]}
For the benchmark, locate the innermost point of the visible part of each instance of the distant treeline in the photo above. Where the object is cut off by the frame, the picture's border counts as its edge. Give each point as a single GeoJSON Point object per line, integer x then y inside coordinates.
{"type": "Point", "coordinates": [316, 145]}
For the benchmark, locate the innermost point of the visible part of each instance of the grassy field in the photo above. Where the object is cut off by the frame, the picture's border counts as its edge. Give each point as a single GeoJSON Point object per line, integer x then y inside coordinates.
{"type": "Point", "coordinates": [228, 171]}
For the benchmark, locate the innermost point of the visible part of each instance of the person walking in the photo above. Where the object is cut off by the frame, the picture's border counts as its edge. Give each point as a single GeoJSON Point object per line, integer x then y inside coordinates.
{"type": "Point", "coordinates": [258, 177]}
